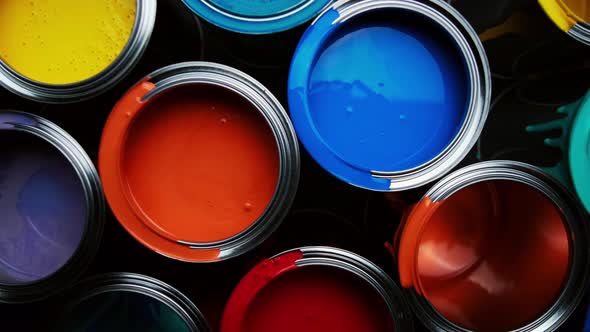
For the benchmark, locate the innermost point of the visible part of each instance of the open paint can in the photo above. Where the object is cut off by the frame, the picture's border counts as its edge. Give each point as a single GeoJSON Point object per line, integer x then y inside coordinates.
{"type": "Point", "coordinates": [199, 162]}
{"type": "Point", "coordinates": [51, 207]}
{"type": "Point", "coordinates": [59, 51]}
{"type": "Point", "coordinates": [257, 16]}
{"type": "Point", "coordinates": [316, 289]}
{"type": "Point", "coordinates": [495, 246]}
{"type": "Point", "coordinates": [389, 95]}
{"type": "Point", "coordinates": [127, 302]}
{"type": "Point", "coordinates": [571, 16]}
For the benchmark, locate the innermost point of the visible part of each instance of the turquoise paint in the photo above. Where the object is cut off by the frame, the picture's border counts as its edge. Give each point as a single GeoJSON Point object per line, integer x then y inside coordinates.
{"type": "Point", "coordinates": [257, 16]}
{"type": "Point", "coordinates": [574, 168]}
{"type": "Point", "coordinates": [386, 91]}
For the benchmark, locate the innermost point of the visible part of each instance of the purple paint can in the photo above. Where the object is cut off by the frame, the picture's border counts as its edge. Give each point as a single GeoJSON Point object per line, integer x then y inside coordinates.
{"type": "Point", "coordinates": [51, 208]}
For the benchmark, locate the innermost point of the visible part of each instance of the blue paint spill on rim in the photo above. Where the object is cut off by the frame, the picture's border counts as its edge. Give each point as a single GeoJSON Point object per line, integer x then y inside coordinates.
{"type": "Point", "coordinates": [385, 91]}
{"type": "Point", "coordinates": [257, 16]}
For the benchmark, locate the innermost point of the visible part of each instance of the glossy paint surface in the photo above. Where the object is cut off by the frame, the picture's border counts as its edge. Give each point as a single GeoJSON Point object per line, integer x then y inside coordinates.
{"type": "Point", "coordinates": [492, 257]}
{"type": "Point", "coordinates": [201, 163]}
{"type": "Point", "coordinates": [42, 209]}
{"type": "Point", "coordinates": [277, 295]}
{"type": "Point", "coordinates": [386, 91]}
{"type": "Point", "coordinates": [63, 41]}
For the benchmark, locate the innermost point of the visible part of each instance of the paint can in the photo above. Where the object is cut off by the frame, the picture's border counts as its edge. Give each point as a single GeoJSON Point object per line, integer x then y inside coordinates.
{"type": "Point", "coordinates": [199, 162]}
{"type": "Point", "coordinates": [316, 289]}
{"type": "Point", "coordinates": [127, 302]}
{"type": "Point", "coordinates": [51, 205]}
{"type": "Point", "coordinates": [389, 118]}
{"type": "Point", "coordinates": [495, 246]}
{"type": "Point", "coordinates": [258, 16]}
{"type": "Point", "coordinates": [116, 35]}
{"type": "Point", "coordinates": [571, 16]}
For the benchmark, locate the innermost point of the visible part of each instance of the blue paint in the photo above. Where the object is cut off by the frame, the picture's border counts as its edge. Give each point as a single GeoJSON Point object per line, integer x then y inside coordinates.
{"type": "Point", "coordinates": [257, 16]}
{"type": "Point", "coordinates": [385, 92]}
{"type": "Point", "coordinates": [43, 209]}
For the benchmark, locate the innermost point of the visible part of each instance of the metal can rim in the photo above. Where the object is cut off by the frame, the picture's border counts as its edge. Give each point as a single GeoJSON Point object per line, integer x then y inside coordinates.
{"type": "Point", "coordinates": [141, 284]}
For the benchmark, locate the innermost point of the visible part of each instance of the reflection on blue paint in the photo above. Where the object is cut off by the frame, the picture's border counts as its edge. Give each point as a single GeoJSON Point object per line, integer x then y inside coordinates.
{"type": "Point", "coordinates": [257, 16]}
{"type": "Point", "coordinates": [122, 311]}
{"type": "Point", "coordinates": [377, 93]}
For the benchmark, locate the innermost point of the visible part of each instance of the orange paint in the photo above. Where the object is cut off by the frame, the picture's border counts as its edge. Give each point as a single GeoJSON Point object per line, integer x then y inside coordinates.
{"type": "Point", "coordinates": [492, 257]}
{"type": "Point", "coordinates": [197, 163]}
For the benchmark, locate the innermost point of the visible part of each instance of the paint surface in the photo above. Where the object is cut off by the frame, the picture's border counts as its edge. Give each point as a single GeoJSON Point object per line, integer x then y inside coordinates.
{"type": "Point", "coordinates": [257, 8]}
{"type": "Point", "coordinates": [494, 256]}
{"type": "Point", "coordinates": [311, 299]}
{"type": "Point", "coordinates": [43, 209]}
{"type": "Point", "coordinates": [63, 41]}
{"type": "Point", "coordinates": [580, 8]}
{"type": "Point", "coordinates": [201, 163]}
{"type": "Point", "coordinates": [387, 96]}
{"type": "Point", "coordinates": [122, 312]}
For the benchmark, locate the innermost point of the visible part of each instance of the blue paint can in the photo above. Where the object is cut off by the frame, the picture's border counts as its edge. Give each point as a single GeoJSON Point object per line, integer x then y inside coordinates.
{"type": "Point", "coordinates": [389, 95]}
{"type": "Point", "coordinates": [257, 16]}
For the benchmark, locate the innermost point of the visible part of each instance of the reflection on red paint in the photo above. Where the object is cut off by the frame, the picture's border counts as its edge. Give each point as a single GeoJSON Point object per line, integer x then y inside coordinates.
{"type": "Point", "coordinates": [492, 257]}
{"type": "Point", "coordinates": [278, 296]}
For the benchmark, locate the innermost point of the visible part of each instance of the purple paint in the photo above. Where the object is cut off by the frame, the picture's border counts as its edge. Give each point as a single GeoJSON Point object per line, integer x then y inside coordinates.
{"type": "Point", "coordinates": [42, 208]}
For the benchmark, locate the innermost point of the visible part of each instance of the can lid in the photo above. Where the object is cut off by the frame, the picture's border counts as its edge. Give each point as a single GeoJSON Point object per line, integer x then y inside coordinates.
{"type": "Point", "coordinates": [257, 16]}
{"type": "Point", "coordinates": [579, 151]}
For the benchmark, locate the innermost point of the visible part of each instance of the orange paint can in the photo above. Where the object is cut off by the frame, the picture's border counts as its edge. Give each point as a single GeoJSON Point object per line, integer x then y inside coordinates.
{"type": "Point", "coordinates": [199, 162]}
{"type": "Point", "coordinates": [495, 246]}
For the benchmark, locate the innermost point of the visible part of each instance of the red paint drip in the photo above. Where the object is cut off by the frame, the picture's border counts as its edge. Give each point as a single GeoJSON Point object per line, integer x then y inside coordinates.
{"type": "Point", "coordinates": [279, 296]}
{"type": "Point", "coordinates": [492, 257]}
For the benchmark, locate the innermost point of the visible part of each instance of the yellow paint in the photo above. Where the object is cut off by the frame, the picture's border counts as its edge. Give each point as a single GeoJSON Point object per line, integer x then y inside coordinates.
{"type": "Point", "coordinates": [63, 41]}
{"type": "Point", "coordinates": [567, 13]}
{"type": "Point", "coordinates": [579, 9]}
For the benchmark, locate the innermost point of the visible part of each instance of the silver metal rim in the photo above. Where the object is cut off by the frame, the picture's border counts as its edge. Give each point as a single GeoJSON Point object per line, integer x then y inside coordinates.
{"type": "Point", "coordinates": [130, 282]}
{"type": "Point", "coordinates": [574, 215]}
{"type": "Point", "coordinates": [95, 211]}
{"type": "Point", "coordinates": [367, 271]}
{"type": "Point", "coordinates": [68, 93]}
{"type": "Point", "coordinates": [581, 32]}
{"type": "Point", "coordinates": [278, 121]}
{"type": "Point", "coordinates": [478, 70]}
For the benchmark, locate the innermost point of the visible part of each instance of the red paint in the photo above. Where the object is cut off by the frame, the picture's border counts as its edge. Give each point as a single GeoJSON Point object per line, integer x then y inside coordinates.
{"type": "Point", "coordinates": [492, 257]}
{"type": "Point", "coordinates": [197, 163]}
{"type": "Point", "coordinates": [279, 296]}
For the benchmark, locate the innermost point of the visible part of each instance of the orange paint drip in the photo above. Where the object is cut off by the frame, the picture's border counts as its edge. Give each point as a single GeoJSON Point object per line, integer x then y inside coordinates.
{"type": "Point", "coordinates": [492, 257]}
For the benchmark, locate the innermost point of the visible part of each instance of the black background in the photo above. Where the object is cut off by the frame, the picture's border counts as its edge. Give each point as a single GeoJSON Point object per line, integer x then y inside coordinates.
{"type": "Point", "coordinates": [544, 62]}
